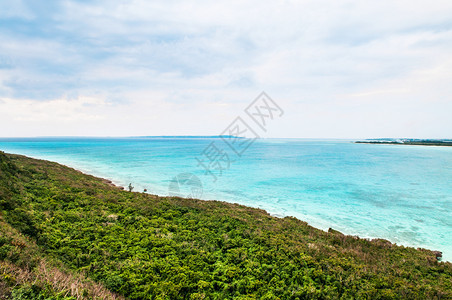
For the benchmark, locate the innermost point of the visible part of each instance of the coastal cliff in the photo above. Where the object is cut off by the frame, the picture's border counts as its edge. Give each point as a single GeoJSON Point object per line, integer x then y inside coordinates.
{"type": "Point", "coordinates": [68, 235]}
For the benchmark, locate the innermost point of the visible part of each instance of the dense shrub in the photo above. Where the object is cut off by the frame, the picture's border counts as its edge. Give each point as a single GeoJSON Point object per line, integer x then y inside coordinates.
{"type": "Point", "coordinates": [149, 247]}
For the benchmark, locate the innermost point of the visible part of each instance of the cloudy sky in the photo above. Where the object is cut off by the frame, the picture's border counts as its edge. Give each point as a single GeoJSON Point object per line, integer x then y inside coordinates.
{"type": "Point", "coordinates": [338, 69]}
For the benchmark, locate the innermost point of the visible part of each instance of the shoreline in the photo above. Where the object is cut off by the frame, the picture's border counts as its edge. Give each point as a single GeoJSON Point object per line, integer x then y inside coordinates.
{"type": "Point", "coordinates": [327, 228]}
{"type": "Point", "coordinates": [157, 241]}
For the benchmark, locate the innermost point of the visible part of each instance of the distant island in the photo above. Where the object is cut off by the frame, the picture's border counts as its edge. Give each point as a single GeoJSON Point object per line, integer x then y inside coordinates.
{"type": "Point", "coordinates": [188, 136]}
{"type": "Point", "coordinates": [418, 142]}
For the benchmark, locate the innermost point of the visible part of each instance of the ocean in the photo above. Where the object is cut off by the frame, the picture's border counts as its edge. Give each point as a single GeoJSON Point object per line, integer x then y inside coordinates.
{"type": "Point", "coordinates": [395, 192]}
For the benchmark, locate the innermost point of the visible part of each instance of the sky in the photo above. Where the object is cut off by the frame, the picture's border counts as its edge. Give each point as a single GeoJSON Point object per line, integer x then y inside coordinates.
{"type": "Point", "coordinates": [338, 69]}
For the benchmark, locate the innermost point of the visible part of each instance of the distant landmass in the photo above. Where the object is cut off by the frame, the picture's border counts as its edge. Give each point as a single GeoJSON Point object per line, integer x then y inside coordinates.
{"type": "Point", "coordinates": [189, 136]}
{"type": "Point", "coordinates": [419, 142]}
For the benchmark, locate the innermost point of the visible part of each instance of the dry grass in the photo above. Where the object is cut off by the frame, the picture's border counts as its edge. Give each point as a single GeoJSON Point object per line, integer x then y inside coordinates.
{"type": "Point", "coordinates": [77, 286]}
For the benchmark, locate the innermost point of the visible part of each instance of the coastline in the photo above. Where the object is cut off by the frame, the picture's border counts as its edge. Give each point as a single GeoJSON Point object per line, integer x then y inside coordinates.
{"type": "Point", "coordinates": [83, 223]}
{"type": "Point", "coordinates": [325, 228]}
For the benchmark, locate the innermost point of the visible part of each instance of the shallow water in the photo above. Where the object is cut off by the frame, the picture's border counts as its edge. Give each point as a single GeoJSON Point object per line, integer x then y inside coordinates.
{"type": "Point", "coordinates": [400, 193]}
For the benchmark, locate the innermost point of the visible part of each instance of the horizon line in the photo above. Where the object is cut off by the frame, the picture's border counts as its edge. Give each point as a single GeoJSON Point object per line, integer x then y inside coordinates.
{"type": "Point", "coordinates": [215, 136]}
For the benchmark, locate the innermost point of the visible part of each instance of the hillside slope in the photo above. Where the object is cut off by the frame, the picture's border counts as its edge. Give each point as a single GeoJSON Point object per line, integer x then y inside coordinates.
{"type": "Point", "coordinates": [147, 247]}
{"type": "Point", "coordinates": [25, 271]}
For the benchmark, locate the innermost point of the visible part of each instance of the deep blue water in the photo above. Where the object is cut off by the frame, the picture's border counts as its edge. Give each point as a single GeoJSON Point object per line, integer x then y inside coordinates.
{"type": "Point", "coordinates": [400, 193]}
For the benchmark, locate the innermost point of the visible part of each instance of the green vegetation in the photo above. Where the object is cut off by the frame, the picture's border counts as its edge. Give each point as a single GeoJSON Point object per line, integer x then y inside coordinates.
{"type": "Point", "coordinates": [413, 142]}
{"type": "Point", "coordinates": [59, 223]}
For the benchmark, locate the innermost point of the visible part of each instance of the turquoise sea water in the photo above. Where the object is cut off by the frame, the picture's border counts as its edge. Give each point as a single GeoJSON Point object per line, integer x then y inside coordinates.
{"type": "Point", "coordinates": [400, 193]}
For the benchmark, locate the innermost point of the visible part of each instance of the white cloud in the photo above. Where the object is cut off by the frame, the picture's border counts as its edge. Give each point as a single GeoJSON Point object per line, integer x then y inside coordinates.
{"type": "Point", "coordinates": [57, 111]}
{"type": "Point", "coordinates": [330, 63]}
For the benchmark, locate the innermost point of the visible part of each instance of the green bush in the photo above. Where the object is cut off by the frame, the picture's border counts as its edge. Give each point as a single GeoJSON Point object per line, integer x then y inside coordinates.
{"type": "Point", "coordinates": [148, 247]}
